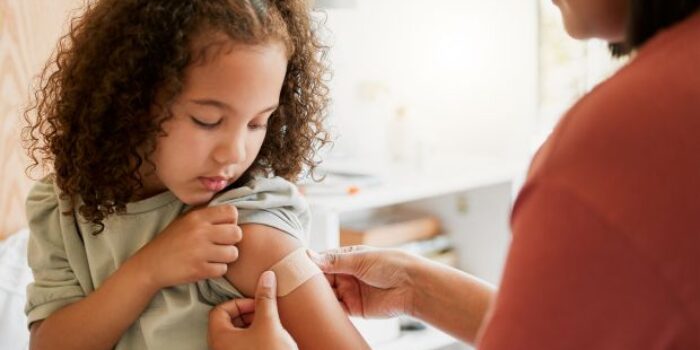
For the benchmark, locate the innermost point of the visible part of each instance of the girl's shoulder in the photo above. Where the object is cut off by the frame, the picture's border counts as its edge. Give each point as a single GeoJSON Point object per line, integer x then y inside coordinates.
{"type": "Point", "coordinates": [43, 197]}
{"type": "Point", "coordinates": [47, 213]}
{"type": "Point", "coordinates": [263, 192]}
{"type": "Point", "coordinates": [270, 201]}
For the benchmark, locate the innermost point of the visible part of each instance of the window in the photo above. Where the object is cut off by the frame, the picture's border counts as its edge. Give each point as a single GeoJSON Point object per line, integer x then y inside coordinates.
{"type": "Point", "coordinates": [568, 68]}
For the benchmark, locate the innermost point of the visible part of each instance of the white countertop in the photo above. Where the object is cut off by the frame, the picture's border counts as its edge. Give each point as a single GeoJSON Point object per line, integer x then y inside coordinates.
{"type": "Point", "coordinates": [400, 184]}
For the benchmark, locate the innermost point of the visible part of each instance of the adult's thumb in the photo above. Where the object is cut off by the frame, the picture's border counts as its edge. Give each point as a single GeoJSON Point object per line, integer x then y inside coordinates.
{"type": "Point", "coordinates": [266, 299]}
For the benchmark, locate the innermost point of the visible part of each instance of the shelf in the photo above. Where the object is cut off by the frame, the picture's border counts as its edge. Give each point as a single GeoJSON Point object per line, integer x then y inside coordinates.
{"type": "Point", "coordinates": [401, 185]}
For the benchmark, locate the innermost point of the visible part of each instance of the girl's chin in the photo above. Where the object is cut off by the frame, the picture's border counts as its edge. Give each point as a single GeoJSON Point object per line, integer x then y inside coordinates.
{"type": "Point", "coordinates": [195, 199]}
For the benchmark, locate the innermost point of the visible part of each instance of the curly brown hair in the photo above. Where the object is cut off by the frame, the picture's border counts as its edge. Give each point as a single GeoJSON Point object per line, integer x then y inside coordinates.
{"type": "Point", "coordinates": [106, 91]}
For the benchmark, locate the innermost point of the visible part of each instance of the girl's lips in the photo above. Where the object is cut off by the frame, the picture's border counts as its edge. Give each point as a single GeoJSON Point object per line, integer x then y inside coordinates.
{"type": "Point", "coordinates": [213, 184]}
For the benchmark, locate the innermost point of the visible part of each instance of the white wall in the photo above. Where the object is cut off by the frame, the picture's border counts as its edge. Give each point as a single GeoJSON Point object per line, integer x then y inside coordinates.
{"type": "Point", "coordinates": [465, 70]}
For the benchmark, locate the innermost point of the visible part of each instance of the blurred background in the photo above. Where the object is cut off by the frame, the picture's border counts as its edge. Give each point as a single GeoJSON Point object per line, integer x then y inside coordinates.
{"type": "Point", "coordinates": [453, 78]}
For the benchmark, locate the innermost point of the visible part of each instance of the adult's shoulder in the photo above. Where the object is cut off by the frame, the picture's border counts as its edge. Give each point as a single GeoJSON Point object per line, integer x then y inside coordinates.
{"type": "Point", "coordinates": [659, 89]}
{"type": "Point", "coordinates": [630, 147]}
{"type": "Point", "coordinates": [636, 122]}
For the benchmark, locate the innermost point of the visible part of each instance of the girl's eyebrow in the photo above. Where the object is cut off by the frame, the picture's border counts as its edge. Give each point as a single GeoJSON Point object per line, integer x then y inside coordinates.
{"type": "Point", "coordinates": [211, 102]}
{"type": "Point", "coordinates": [224, 106]}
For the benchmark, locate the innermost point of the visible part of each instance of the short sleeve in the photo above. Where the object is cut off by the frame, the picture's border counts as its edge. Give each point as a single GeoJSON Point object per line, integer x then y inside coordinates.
{"type": "Point", "coordinates": [272, 202]}
{"type": "Point", "coordinates": [55, 284]}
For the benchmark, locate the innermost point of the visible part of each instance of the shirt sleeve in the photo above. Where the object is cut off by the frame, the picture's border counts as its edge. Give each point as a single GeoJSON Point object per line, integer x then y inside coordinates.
{"type": "Point", "coordinates": [573, 280]}
{"type": "Point", "coordinates": [55, 284]}
{"type": "Point", "coordinates": [272, 202]}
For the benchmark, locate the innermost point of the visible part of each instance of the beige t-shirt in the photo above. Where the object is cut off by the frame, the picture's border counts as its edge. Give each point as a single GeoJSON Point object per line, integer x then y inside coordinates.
{"type": "Point", "coordinates": [69, 262]}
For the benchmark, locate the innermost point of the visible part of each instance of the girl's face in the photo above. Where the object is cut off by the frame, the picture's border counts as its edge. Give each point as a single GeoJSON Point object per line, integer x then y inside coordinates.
{"type": "Point", "coordinates": [603, 19]}
{"type": "Point", "coordinates": [219, 122]}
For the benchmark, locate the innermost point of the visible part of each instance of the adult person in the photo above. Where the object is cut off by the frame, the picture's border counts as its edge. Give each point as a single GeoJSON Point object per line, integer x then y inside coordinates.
{"type": "Point", "coordinates": [606, 230]}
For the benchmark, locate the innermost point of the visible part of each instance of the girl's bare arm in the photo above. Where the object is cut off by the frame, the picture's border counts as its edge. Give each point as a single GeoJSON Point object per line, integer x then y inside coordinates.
{"type": "Point", "coordinates": [311, 313]}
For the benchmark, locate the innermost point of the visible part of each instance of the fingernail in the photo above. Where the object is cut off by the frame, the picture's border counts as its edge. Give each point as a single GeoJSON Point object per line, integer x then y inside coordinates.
{"type": "Point", "coordinates": [316, 258]}
{"type": "Point", "coordinates": [268, 279]}
{"type": "Point", "coordinates": [313, 255]}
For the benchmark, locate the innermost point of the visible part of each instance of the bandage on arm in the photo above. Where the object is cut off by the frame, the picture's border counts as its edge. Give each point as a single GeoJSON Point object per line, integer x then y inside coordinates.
{"type": "Point", "coordinates": [311, 306]}
{"type": "Point", "coordinates": [293, 270]}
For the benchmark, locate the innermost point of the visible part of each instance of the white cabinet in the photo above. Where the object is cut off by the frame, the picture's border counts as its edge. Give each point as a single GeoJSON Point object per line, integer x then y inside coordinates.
{"type": "Point", "coordinates": [473, 200]}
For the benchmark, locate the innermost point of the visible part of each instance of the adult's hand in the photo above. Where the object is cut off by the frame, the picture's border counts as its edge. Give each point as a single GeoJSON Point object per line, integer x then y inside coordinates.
{"type": "Point", "coordinates": [249, 324]}
{"type": "Point", "coordinates": [369, 282]}
{"type": "Point", "coordinates": [382, 283]}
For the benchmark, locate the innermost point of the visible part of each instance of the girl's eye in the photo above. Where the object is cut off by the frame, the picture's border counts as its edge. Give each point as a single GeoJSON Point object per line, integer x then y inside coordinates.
{"type": "Point", "coordinates": [255, 127]}
{"type": "Point", "coordinates": [204, 124]}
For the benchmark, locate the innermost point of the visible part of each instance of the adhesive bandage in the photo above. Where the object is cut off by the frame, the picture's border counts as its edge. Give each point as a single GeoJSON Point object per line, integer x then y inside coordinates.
{"type": "Point", "coordinates": [293, 270]}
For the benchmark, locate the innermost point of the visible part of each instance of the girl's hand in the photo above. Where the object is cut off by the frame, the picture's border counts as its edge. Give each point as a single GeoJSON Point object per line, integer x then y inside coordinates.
{"type": "Point", "coordinates": [195, 246]}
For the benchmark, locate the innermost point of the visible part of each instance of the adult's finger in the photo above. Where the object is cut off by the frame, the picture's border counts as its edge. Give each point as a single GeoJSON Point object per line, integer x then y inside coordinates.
{"type": "Point", "coordinates": [346, 260]}
{"type": "Point", "coordinates": [221, 316]}
{"type": "Point", "coordinates": [238, 307]}
{"type": "Point", "coordinates": [219, 321]}
{"type": "Point", "coordinates": [247, 319]}
{"type": "Point", "coordinates": [266, 299]}
{"type": "Point", "coordinates": [331, 278]}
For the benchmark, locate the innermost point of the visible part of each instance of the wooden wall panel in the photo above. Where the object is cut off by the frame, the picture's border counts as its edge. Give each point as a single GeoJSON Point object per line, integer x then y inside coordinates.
{"type": "Point", "coordinates": [29, 30]}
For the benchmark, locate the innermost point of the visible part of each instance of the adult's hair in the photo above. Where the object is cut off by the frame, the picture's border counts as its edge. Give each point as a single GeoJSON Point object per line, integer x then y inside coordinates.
{"type": "Point", "coordinates": [649, 17]}
{"type": "Point", "coordinates": [107, 90]}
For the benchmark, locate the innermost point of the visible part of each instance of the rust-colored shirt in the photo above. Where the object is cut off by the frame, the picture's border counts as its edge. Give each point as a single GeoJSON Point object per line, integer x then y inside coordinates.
{"type": "Point", "coordinates": [606, 231]}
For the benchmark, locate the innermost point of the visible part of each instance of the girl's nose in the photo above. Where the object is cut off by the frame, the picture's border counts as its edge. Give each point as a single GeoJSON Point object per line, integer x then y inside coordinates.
{"type": "Point", "coordinates": [230, 151]}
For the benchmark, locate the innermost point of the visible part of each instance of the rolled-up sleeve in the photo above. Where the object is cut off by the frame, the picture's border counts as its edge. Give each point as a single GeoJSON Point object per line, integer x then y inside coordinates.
{"type": "Point", "coordinates": [272, 202]}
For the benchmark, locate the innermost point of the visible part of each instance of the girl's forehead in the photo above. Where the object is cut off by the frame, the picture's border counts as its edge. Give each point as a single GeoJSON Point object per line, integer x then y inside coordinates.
{"type": "Point", "coordinates": [245, 74]}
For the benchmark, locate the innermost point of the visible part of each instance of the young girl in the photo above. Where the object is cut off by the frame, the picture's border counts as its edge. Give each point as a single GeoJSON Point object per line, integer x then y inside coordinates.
{"type": "Point", "coordinates": [150, 109]}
